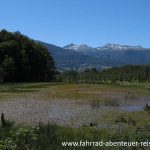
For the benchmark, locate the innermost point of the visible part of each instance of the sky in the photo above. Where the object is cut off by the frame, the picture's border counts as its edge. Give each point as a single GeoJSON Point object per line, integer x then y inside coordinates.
{"type": "Point", "coordinates": [91, 22]}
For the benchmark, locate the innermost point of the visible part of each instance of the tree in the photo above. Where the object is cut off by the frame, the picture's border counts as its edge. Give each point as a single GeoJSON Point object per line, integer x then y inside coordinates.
{"type": "Point", "coordinates": [9, 68]}
{"type": "Point", "coordinates": [23, 60]}
{"type": "Point", "coordinates": [2, 74]}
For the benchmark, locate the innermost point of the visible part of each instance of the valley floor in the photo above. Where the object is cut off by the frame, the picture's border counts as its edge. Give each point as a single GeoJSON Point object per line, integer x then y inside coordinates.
{"type": "Point", "coordinates": [102, 107]}
{"type": "Point", "coordinates": [75, 105]}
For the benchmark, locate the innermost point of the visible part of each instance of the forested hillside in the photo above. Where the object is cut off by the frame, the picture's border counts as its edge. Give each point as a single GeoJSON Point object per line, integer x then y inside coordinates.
{"type": "Point", "coordinates": [22, 60]}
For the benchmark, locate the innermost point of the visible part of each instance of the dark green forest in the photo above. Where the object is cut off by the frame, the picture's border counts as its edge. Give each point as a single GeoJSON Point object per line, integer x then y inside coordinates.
{"type": "Point", "coordinates": [23, 60]}
{"type": "Point", "coordinates": [129, 73]}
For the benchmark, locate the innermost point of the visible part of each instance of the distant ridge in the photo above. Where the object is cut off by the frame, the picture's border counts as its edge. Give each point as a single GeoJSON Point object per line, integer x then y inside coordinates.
{"type": "Point", "coordinates": [81, 57]}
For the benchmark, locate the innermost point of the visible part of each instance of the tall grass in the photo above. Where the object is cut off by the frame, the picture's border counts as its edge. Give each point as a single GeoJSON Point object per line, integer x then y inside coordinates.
{"type": "Point", "coordinates": [50, 137]}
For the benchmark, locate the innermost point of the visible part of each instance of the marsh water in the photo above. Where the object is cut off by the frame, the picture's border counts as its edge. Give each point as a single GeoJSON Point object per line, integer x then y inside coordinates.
{"type": "Point", "coordinates": [69, 112]}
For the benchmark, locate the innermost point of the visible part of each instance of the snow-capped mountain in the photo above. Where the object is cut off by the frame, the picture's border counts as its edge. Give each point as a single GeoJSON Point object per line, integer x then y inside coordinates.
{"type": "Point", "coordinates": [75, 47]}
{"type": "Point", "coordinates": [109, 46]}
{"type": "Point", "coordinates": [81, 57]}
{"type": "Point", "coordinates": [71, 46]}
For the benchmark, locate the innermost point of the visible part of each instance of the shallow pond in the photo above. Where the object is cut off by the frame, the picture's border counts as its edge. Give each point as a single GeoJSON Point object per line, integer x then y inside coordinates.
{"type": "Point", "coordinates": [67, 112]}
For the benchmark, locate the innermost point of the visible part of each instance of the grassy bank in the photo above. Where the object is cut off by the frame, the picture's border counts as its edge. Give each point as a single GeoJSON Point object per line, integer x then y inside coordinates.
{"type": "Point", "coordinates": [72, 91]}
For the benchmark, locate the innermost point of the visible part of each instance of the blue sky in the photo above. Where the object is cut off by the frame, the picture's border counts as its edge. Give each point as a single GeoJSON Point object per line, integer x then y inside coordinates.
{"type": "Point", "coordinates": [92, 22]}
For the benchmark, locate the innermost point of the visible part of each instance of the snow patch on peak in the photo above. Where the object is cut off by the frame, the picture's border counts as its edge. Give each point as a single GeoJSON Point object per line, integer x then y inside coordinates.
{"type": "Point", "coordinates": [118, 47]}
{"type": "Point", "coordinates": [71, 46]}
{"type": "Point", "coordinates": [77, 47]}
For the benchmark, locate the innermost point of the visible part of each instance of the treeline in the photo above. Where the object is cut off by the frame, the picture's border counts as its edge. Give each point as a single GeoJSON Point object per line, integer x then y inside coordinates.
{"type": "Point", "coordinates": [23, 60]}
{"type": "Point", "coordinates": [129, 73]}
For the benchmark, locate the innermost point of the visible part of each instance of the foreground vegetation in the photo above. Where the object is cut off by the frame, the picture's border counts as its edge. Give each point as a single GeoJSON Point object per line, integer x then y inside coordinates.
{"type": "Point", "coordinates": [50, 137]}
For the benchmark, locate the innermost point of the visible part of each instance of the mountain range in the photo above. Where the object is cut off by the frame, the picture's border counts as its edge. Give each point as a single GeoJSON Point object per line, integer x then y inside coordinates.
{"type": "Point", "coordinates": [81, 57]}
